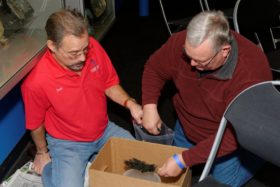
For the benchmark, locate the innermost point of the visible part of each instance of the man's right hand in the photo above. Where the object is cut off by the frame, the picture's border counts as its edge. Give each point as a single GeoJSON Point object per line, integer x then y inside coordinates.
{"type": "Point", "coordinates": [40, 161]}
{"type": "Point", "coordinates": [42, 156]}
{"type": "Point", "coordinates": [151, 120]}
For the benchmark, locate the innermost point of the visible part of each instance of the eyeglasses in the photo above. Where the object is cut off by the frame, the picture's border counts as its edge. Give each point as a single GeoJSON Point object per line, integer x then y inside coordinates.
{"type": "Point", "coordinates": [74, 54]}
{"type": "Point", "coordinates": [201, 63]}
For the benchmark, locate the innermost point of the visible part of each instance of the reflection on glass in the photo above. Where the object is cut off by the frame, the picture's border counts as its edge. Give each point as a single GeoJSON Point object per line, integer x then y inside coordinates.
{"type": "Point", "coordinates": [100, 15]}
{"type": "Point", "coordinates": [98, 7]}
{"type": "Point", "coordinates": [22, 36]}
{"type": "Point", "coordinates": [3, 40]}
{"type": "Point", "coordinates": [14, 14]}
{"type": "Point", "coordinates": [21, 8]}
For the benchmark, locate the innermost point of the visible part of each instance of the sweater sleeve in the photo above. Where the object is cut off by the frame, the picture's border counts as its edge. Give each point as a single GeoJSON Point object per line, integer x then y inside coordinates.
{"type": "Point", "coordinates": [200, 152]}
{"type": "Point", "coordinates": [161, 67]}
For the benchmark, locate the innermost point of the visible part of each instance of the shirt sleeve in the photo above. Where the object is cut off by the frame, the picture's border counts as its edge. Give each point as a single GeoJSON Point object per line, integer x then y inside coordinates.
{"type": "Point", "coordinates": [35, 105]}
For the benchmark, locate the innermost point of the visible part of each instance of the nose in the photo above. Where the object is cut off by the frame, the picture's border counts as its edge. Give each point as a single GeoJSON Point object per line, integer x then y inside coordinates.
{"type": "Point", "coordinates": [82, 57]}
{"type": "Point", "coordinates": [193, 63]}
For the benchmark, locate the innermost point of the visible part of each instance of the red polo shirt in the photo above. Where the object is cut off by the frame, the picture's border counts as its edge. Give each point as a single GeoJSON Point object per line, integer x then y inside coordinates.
{"type": "Point", "coordinates": [71, 106]}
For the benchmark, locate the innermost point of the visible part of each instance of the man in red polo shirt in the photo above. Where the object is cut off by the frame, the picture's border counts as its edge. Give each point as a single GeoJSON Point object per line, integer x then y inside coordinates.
{"type": "Point", "coordinates": [65, 96]}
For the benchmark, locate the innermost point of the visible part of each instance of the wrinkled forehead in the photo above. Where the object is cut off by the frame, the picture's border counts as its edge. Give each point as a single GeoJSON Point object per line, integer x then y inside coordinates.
{"type": "Point", "coordinates": [203, 49]}
{"type": "Point", "coordinates": [71, 42]}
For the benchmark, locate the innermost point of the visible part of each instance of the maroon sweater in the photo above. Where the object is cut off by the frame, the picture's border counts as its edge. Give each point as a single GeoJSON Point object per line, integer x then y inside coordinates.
{"type": "Point", "coordinates": [201, 99]}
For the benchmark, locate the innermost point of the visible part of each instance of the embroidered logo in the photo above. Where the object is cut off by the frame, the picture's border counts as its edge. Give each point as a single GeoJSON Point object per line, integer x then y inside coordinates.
{"type": "Point", "coordinates": [59, 89]}
{"type": "Point", "coordinates": [95, 66]}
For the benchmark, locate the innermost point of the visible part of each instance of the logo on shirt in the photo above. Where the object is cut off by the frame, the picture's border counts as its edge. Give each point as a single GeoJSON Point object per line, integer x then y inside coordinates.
{"type": "Point", "coordinates": [59, 89]}
{"type": "Point", "coordinates": [95, 66]}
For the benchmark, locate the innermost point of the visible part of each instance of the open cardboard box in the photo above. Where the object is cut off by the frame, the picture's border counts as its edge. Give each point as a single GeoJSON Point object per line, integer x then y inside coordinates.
{"type": "Point", "coordinates": [108, 167]}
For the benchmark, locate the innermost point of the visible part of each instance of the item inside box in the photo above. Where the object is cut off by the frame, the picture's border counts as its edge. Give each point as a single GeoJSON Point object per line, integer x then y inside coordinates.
{"type": "Point", "coordinates": [150, 176]}
{"type": "Point", "coordinates": [141, 170]}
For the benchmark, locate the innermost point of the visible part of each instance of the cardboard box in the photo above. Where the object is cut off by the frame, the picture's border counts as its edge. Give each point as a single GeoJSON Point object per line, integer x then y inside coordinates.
{"type": "Point", "coordinates": [108, 167]}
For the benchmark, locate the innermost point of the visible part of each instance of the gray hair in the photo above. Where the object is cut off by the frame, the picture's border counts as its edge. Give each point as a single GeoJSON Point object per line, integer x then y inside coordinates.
{"type": "Point", "coordinates": [212, 25]}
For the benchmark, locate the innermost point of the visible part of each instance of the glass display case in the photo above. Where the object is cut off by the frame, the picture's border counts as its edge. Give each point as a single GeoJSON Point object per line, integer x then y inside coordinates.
{"type": "Point", "coordinates": [99, 13]}
{"type": "Point", "coordinates": [22, 34]}
{"type": "Point", "coordinates": [22, 37]}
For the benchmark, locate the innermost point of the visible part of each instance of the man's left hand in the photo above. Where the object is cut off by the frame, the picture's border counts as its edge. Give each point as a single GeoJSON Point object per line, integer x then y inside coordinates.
{"type": "Point", "coordinates": [170, 168]}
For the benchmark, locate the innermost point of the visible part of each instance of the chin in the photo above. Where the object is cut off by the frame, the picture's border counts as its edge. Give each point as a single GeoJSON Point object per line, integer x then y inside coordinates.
{"type": "Point", "coordinates": [77, 70]}
{"type": "Point", "coordinates": [200, 69]}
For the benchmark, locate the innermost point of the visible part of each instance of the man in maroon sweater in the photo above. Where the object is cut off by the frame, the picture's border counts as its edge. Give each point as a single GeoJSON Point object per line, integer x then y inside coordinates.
{"type": "Point", "coordinates": [209, 65]}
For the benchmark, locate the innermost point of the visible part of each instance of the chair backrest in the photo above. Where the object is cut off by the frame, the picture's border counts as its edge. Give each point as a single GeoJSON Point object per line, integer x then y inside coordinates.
{"type": "Point", "coordinates": [177, 13]}
{"type": "Point", "coordinates": [225, 6]}
{"type": "Point", "coordinates": [253, 19]}
{"type": "Point", "coordinates": [254, 115]}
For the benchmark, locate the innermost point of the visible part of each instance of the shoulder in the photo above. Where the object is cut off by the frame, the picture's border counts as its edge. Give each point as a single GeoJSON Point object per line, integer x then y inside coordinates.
{"type": "Point", "coordinates": [173, 45]}
{"type": "Point", "coordinates": [39, 74]}
{"type": "Point", "coordinates": [93, 40]}
{"type": "Point", "coordinates": [95, 48]}
{"type": "Point", "coordinates": [247, 46]}
{"type": "Point", "coordinates": [249, 52]}
{"type": "Point", "coordinates": [252, 62]}
{"type": "Point", "coordinates": [180, 34]}
{"type": "Point", "coordinates": [93, 43]}
{"type": "Point", "coordinates": [178, 37]}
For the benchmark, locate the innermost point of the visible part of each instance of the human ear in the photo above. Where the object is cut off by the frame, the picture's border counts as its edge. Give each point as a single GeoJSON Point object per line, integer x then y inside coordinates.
{"type": "Point", "coordinates": [226, 49]}
{"type": "Point", "coordinates": [51, 45]}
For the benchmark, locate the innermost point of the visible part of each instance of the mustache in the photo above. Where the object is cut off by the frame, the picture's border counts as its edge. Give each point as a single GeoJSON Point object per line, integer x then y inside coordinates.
{"type": "Point", "coordinates": [78, 63]}
{"type": "Point", "coordinates": [77, 66]}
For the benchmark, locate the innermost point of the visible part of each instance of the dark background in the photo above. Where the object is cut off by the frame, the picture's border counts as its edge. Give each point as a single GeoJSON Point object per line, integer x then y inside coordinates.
{"type": "Point", "coordinates": [129, 43]}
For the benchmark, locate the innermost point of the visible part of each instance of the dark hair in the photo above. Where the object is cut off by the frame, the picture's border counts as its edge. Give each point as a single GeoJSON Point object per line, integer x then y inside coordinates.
{"type": "Point", "coordinates": [65, 22]}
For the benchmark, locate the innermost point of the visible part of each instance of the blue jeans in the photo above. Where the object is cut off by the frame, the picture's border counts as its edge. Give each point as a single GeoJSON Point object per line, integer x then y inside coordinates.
{"type": "Point", "coordinates": [69, 158]}
{"type": "Point", "coordinates": [234, 169]}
